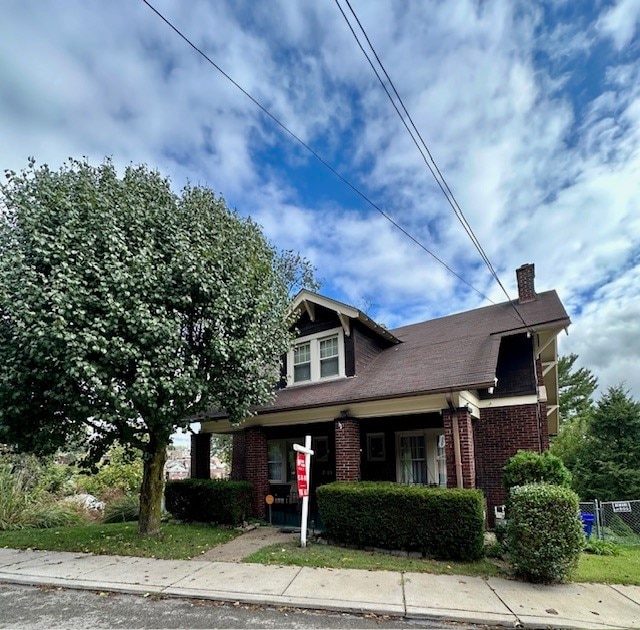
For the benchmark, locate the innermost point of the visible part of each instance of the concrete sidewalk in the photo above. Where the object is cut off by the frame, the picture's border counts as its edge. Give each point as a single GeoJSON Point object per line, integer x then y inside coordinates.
{"type": "Point", "coordinates": [491, 601]}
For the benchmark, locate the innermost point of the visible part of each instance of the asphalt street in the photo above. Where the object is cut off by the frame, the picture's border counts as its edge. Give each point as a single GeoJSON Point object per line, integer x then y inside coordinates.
{"type": "Point", "coordinates": [29, 607]}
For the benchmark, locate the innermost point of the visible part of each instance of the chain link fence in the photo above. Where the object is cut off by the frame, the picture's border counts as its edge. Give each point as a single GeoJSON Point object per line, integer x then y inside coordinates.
{"type": "Point", "coordinates": [615, 521]}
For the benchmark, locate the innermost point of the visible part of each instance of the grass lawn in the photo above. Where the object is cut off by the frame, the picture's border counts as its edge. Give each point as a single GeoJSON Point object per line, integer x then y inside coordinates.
{"type": "Point", "coordinates": [621, 569]}
{"type": "Point", "coordinates": [175, 542]}
{"type": "Point", "coordinates": [315, 555]}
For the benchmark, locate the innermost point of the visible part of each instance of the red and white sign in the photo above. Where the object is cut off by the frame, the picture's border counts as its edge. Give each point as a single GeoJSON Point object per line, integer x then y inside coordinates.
{"type": "Point", "coordinates": [301, 473]}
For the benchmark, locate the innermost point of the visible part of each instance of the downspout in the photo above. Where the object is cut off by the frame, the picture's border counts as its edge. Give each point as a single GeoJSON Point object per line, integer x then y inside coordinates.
{"type": "Point", "coordinates": [456, 442]}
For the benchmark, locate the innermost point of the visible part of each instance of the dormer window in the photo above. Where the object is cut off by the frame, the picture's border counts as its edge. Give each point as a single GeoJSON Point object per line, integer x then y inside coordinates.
{"type": "Point", "coordinates": [316, 357]}
{"type": "Point", "coordinates": [329, 359]}
{"type": "Point", "coordinates": [302, 362]}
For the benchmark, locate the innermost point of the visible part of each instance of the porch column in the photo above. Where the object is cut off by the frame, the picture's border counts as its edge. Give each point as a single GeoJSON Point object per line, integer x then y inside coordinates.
{"type": "Point", "coordinates": [238, 457]}
{"type": "Point", "coordinates": [347, 449]}
{"type": "Point", "coordinates": [257, 469]}
{"type": "Point", "coordinates": [201, 455]}
{"type": "Point", "coordinates": [460, 452]}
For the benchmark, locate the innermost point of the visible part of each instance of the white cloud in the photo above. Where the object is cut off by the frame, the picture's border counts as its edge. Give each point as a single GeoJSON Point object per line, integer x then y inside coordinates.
{"type": "Point", "coordinates": [620, 22]}
{"type": "Point", "coordinates": [541, 148]}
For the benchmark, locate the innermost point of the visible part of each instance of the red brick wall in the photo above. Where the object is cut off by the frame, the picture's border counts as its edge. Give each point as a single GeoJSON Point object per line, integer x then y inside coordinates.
{"type": "Point", "coordinates": [238, 457]}
{"type": "Point", "coordinates": [498, 435]}
{"type": "Point", "coordinates": [467, 447]}
{"type": "Point", "coordinates": [257, 469]}
{"type": "Point", "coordinates": [347, 449]}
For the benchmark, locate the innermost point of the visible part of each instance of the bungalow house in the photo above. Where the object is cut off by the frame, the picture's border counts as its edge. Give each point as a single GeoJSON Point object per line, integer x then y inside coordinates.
{"type": "Point", "coordinates": [443, 402]}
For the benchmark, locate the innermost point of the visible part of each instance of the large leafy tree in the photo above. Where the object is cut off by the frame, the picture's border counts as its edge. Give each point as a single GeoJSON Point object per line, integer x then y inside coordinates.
{"type": "Point", "coordinates": [608, 462]}
{"type": "Point", "coordinates": [128, 309]}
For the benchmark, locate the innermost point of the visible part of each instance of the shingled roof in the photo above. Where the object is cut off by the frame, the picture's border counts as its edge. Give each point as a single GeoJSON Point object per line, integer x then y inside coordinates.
{"type": "Point", "coordinates": [450, 353]}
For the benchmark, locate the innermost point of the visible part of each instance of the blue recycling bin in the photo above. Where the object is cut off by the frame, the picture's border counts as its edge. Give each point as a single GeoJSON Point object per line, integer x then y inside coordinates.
{"type": "Point", "coordinates": [587, 523]}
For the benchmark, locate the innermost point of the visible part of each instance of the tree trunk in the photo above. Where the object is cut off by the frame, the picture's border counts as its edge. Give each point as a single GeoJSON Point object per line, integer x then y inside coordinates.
{"type": "Point", "coordinates": [155, 457]}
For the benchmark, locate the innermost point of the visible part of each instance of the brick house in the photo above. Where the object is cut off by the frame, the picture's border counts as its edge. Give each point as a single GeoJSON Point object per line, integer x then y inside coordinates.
{"type": "Point", "coordinates": [443, 402]}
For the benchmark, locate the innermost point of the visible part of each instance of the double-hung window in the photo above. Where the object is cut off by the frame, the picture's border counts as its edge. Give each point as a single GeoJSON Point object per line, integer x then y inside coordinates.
{"type": "Point", "coordinates": [302, 362]}
{"type": "Point", "coordinates": [329, 363]}
{"type": "Point", "coordinates": [316, 358]}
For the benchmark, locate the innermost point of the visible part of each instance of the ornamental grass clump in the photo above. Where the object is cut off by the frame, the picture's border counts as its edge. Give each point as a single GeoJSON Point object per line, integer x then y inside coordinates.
{"type": "Point", "coordinates": [24, 505]}
{"type": "Point", "coordinates": [544, 532]}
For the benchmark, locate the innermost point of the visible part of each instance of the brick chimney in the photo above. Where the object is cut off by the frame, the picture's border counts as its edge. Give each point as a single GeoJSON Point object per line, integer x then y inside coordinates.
{"type": "Point", "coordinates": [526, 287]}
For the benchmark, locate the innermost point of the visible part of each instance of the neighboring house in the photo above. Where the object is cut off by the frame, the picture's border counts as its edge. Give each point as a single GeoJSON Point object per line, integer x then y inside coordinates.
{"type": "Point", "coordinates": [443, 402]}
{"type": "Point", "coordinates": [175, 469]}
{"type": "Point", "coordinates": [180, 468]}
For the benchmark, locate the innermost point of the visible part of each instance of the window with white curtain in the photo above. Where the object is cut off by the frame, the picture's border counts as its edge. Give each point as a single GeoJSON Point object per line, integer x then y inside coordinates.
{"type": "Point", "coordinates": [421, 458]}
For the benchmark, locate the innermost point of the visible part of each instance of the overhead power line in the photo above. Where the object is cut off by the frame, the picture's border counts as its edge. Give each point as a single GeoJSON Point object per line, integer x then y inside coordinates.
{"type": "Point", "coordinates": [429, 161]}
{"type": "Point", "coordinates": [313, 152]}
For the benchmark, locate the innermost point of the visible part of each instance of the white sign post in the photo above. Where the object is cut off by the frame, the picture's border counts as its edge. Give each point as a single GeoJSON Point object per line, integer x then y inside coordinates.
{"type": "Point", "coordinates": [303, 471]}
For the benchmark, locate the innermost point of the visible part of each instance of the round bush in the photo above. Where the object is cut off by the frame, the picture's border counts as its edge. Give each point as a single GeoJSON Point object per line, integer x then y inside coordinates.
{"type": "Point", "coordinates": [530, 467]}
{"type": "Point", "coordinates": [544, 532]}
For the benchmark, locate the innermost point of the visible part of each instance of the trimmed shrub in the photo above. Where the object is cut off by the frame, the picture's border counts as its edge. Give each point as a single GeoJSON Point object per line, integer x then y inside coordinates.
{"type": "Point", "coordinates": [544, 532]}
{"type": "Point", "coordinates": [208, 500]}
{"type": "Point", "coordinates": [527, 467]}
{"type": "Point", "coordinates": [122, 510]}
{"type": "Point", "coordinates": [438, 522]}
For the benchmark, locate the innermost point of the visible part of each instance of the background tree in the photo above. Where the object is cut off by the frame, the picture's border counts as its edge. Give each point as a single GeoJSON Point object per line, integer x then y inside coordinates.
{"type": "Point", "coordinates": [576, 388]}
{"type": "Point", "coordinates": [608, 463]}
{"type": "Point", "coordinates": [128, 309]}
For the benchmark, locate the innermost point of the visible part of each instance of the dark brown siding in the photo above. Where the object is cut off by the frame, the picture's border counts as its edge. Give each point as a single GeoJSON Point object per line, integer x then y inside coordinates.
{"type": "Point", "coordinates": [349, 355]}
{"type": "Point", "coordinates": [324, 320]}
{"type": "Point", "coordinates": [515, 370]}
{"type": "Point", "coordinates": [367, 346]}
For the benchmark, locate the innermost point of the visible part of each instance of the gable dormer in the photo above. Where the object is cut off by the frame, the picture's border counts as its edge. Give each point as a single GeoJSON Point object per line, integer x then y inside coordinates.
{"type": "Point", "coordinates": [333, 340]}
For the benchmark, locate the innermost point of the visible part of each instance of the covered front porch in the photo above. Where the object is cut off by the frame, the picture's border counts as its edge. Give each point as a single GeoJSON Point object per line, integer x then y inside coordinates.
{"type": "Point", "coordinates": [412, 448]}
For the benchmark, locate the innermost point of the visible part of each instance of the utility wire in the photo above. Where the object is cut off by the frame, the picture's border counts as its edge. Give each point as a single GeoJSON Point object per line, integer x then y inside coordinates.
{"type": "Point", "coordinates": [439, 178]}
{"type": "Point", "coordinates": [318, 157]}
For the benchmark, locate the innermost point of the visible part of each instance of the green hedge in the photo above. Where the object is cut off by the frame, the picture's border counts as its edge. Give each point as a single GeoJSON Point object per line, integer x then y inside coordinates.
{"type": "Point", "coordinates": [544, 532]}
{"type": "Point", "coordinates": [208, 500]}
{"type": "Point", "coordinates": [440, 523]}
{"type": "Point", "coordinates": [530, 467]}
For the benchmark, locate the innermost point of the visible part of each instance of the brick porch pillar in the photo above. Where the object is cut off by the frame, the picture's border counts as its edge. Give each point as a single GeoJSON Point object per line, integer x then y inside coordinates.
{"type": "Point", "coordinates": [201, 455]}
{"type": "Point", "coordinates": [257, 469]}
{"type": "Point", "coordinates": [347, 449]}
{"type": "Point", "coordinates": [238, 457]}
{"type": "Point", "coordinates": [467, 450]}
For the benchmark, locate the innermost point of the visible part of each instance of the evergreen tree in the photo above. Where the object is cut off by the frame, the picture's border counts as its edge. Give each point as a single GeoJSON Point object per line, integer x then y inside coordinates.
{"type": "Point", "coordinates": [576, 386]}
{"type": "Point", "coordinates": [608, 462]}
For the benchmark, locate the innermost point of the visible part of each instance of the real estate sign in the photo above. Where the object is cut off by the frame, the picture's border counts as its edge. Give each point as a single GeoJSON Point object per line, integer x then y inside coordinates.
{"type": "Point", "coordinates": [301, 474]}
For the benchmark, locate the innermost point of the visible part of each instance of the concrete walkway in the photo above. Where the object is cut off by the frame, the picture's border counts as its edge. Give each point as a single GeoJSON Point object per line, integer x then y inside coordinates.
{"type": "Point", "coordinates": [242, 546]}
{"type": "Point", "coordinates": [419, 595]}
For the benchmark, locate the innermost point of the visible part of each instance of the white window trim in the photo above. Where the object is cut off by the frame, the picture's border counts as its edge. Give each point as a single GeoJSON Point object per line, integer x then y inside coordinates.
{"type": "Point", "coordinates": [285, 445]}
{"type": "Point", "coordinates": [431, 452]}
{"type": "Point", "coordinates": [314, 341]}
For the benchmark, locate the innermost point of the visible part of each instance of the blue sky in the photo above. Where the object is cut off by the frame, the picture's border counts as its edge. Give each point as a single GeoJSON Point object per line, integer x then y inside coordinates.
{"type": "Point", "coordinates": [532, 111]}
